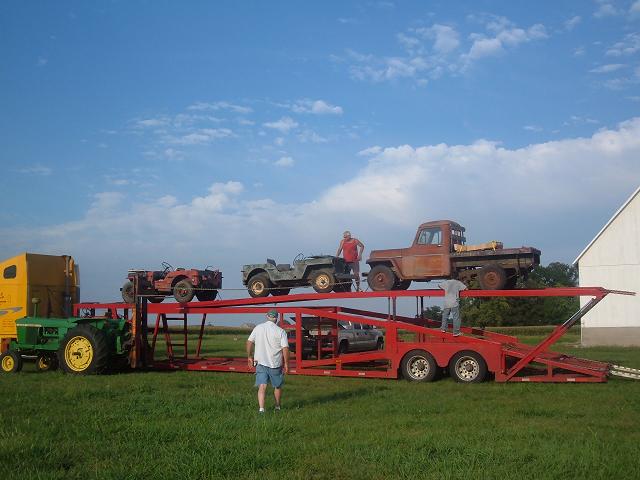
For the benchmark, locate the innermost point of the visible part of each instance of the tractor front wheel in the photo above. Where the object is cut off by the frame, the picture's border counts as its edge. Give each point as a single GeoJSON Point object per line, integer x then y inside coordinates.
{"type": "Point", "coordinates": [10, 362]}
{"type": "Point", "coordinates": [46, 361]}
{"type": "Point", "coordinates": [84, 351]}
{"type": "Point", "coordinates": [183, 291]}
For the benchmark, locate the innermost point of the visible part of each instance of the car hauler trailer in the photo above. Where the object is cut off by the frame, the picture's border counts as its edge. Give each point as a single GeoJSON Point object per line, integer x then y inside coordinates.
{"type": "Point", "coordinates": [414, 348]}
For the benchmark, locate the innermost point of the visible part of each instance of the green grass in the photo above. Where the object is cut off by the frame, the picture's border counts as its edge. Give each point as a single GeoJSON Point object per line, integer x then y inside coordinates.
{"type": "Point", "coordinates": [205, 425]}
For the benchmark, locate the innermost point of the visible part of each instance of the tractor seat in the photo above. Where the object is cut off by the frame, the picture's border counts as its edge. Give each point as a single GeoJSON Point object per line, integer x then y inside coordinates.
{"type": "Point", "coordinates": [283, 267]}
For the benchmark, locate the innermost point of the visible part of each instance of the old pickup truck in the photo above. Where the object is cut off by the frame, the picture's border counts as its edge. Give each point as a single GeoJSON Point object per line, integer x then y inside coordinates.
{"type": "Point", "coordinates": [439, 251]}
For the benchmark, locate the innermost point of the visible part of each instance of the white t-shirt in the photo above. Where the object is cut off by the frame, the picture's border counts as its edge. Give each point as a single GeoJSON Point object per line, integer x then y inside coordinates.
{"type": "Point", "coordinates": [269, 340]}
{"type": "Point", "coordinates": [452, 289]}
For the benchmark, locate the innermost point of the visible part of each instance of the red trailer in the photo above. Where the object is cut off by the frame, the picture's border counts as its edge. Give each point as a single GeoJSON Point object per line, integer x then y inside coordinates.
{"type": "Point", "coordinates": [414, 347]}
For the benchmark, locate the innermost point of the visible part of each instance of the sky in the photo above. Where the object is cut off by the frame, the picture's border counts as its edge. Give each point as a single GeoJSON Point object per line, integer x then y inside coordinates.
{"type": "Point", "coordinates": [223, 133]}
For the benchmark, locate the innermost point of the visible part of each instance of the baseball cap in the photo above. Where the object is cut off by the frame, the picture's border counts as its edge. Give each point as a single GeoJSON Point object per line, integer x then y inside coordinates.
{"type": "Point", "coordinates": [272, 314]}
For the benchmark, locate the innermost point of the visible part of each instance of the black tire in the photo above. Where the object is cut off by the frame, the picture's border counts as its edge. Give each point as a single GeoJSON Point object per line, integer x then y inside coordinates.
{"type": "Point", "coordinates": [343, 347]}
{"type": "Point", "coordinates": [418, 366]}
{"type": "Point", "coordinates": [342, 287]}
{"type": "Point", "coordinates": [259, 285]}
{"type": "Point", "coordinates": [46, 361]}
{"type": "Point", "coordinates": [127, 292]}
{"type": "Point", "coordinates": [155, 299]}
{"type": "Point", "coordinates": [322, 281]}
{"type": "Point", "coordinates": [381, 278]}
{"type": "Point", "coordinates": [512, 280]}
{"type": "Point", "coordinates": [207, 295]}
{"type": "Point", "coordinates": [402, 285]}
{"type": "Point", "coordinates": [492, 277]}
{"type": "Point", "coordinates": [84, 351]}
{"type": "Point", "coordinates": [280, 291]}
{"type": "Point", "coordinates": [10, 362]}
{"type": "Point", "coordinates": [183, 291]}
{"type": "Point", "coordinates": [468, 367]}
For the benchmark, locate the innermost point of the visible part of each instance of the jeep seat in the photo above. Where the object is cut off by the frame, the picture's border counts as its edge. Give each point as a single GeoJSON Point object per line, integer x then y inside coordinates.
{"type": "Point", "coordinates": [271, 261]}
{"type": "Point", "coordinates": [283, 267]}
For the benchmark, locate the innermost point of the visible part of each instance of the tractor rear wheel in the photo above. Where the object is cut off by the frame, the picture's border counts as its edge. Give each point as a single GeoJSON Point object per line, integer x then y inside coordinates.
{"type": "Point", "coordinates": [84, 351]}
{"type": "Point", "coordinates": [381, 278]}
{"type": "Point", "coordinates": [322, 281]}
{"type": "Point", "coordinates": [127, 292]}
{"type": "Point", "coordinates": [183, 291]}
{"type": "Point", "coordinates": [46, 361]}
{"type": "Point", "coordinates": [10, 362]}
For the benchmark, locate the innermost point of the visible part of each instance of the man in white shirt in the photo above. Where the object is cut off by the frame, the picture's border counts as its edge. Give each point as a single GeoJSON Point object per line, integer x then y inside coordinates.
{"type": "Point", "coordinates": [452, 289]}
{"type": "Point", "coordinates": [271, 357]}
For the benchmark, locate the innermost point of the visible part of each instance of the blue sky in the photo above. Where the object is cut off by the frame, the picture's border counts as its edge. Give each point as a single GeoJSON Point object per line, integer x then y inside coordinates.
{"type": "Point", "coordinates": [225, 132]}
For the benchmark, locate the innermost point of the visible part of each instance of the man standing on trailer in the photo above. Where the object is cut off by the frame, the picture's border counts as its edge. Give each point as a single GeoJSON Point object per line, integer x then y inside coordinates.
{"type": "Point", "coordinates": [452, 289]}
{"type": "Point", "coordinates": [270, 358]}
{"type": "Point", "coordinates": [351, 249]}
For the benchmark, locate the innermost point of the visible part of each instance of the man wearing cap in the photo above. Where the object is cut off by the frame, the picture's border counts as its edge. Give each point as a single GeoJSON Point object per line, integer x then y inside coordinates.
{"type": "Point", "coordinates": [351, 249]}
{"type": "Point", "coordinates": [270, 357]}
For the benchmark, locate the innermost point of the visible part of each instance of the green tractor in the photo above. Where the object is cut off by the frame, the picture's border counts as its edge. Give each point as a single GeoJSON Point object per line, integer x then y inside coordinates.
{"type": "Point", "coordinates": [81, 346]}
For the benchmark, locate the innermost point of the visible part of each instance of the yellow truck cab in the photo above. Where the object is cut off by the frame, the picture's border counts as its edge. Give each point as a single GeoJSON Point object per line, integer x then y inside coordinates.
{"type": "Point", "coordinates": [52, 280]}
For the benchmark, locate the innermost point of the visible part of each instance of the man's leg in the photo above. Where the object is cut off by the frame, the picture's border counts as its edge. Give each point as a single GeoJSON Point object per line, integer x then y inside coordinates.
{"type": "Point", "coordinates": [445, 319]}
{"type": "Point", "coordinates": [262, 391]}
{"type": "Point", "coordinates": [455, 311]}
{"type": "Point", "coordinates": [277, 394]}
{"type": "Point", "coordinates": [355, 267]}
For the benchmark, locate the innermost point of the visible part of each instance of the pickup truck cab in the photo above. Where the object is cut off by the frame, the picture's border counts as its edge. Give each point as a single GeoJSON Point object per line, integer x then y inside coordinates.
{"type": "Point", "coordinates": [439, 251]}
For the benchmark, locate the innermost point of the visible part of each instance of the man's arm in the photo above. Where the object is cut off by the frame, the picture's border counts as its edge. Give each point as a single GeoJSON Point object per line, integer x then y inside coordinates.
{"type": "Point", "coordinates": [339, 248]}
{"type": "Point", "coordinates": [285, 359]}
{"type": "Point", "coordinates": [361, 248]}
{"type": "Point", "coordinates": [249, 355]}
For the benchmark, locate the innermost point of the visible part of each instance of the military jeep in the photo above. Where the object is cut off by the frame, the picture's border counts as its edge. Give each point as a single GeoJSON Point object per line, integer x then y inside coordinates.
{"type": "Point", "coordinates": [325, 273]}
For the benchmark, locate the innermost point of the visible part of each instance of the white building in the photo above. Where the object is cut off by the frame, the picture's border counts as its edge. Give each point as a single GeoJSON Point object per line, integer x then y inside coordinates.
{"type": "Point", "coordinates": [612, 261]}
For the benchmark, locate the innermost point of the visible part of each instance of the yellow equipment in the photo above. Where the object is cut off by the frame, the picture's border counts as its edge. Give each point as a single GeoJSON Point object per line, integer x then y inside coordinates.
{"type": "Point", "coordinates": [32, 281]}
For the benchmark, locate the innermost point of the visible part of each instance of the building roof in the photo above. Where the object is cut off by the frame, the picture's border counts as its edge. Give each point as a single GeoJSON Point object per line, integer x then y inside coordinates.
{"type": "Point", "coordinates": [615, 215]}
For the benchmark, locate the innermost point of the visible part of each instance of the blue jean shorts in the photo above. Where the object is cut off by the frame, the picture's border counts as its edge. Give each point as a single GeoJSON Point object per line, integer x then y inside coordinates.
{"type": "Point", "coordinates": [264, 375]}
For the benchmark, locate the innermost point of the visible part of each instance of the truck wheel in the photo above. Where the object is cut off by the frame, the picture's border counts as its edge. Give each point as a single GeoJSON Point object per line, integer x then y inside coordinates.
{"type": "Point", "coordinates": [46, 362]}
{"type": "Point", "coordinates": [207, 295]}
{"type": "Point", "coordinates": [322, 281]}
{"type": "Point", "coordinates": [183, 291]}
{"type": "Point", "coordinates": [127, 292]}
{"type": "Point", "coordinates": [280, 291]}
{"type": "Point", "coordinates": [84, 351]}
{"type": "Point", "coordinates": [468, 367]}
{"type": "Point", "coordinates": [402, 285]}
{"type": "Point", "coordinates": [381, 278]}
{"type": "Point", "coordinates": [259, 285]}
{"type": "Point", "coordinates": [492, 277]}
{"type": "Point", "coordinates": [418, 366]}
{"type": "Point", "coordinates": [10, 362]}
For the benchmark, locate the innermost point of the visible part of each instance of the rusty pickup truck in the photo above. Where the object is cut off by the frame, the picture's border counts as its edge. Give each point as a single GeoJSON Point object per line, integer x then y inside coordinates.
{"type": "Point", "coordinates": [439, 251]}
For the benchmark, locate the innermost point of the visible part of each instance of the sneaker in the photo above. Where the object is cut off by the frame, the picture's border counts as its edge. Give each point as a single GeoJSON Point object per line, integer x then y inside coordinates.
{"type": "Point", "coordinates": [277, 408]}
{"type": "Point", "coordinates": [261, 411]}
{"type": "Point", "coordinates": [457, 334]}
{"type": "Point", "coordinates": [443, 330]}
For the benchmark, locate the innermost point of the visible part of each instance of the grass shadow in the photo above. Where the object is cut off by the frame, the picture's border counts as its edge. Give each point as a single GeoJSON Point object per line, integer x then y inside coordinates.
{"type": "Point", "coordinates": [338, 396]}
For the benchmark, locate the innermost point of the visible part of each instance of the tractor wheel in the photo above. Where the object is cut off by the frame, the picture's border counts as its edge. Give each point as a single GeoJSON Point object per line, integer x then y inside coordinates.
{"type": "Point", "coordinates": [183, 291]}
{"type": "Point", "coordinates": [322, 281]}
{"type": "Point", "coordinates": [280, 291]}
{"type": "Point", "coordinates": [402, 285]}
{"type": "Point", "coordinates": [418, 366]}
{"type": "Point", "coordinates": [492, 277]}
{"type": "Point", "coordinates": [127, 292]}
{"type": "Point", "coordinates": [84, 351]}
{"type": "Point", "coordinates": [381, 278]}
{"type": "Point", "coordinates": [46, 361]}
{"type": "Point", "coordinates": [207, 295]}
{"type": "Point", "coordinates": [468, 367]}
{"type": "Point", "coordinates": [10, 362]}
{"type": "Point", "coordinates": [259, 285]}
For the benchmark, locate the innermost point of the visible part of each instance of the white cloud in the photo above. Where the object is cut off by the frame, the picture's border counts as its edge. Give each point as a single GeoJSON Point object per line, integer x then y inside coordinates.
{"type": "Point", "coordinates": [284, 162]}
{"type": "Point", "coordinates": [634, 9]}
{"type": "Point", "coordinates": [317, 107]}
{"type": "Point", "coordinates": [279, 141]}
{"type": "Point", "coordinates": [446, 38]}
{"type": "Point", "coordinates": [202, 136]}
{"type": "Point", "coordinates": [611, 67]}
{"type": "Point", "coordinates": [606, 9]}
{"type": "Point", "coordinates": [572, 22]}
{"type": "Point", "coordinates": [629, 45]}
{"type": "Point", "coordinates": [310, 136]}
{"type": "Point", "coordinates": [173, 154]}
{"type": "Point", "coordinates": [579, 52]}
{"type": "Point", "coordinates": [200, 106]}
{"type": "Point", "coordinates": [532, 128]}
{"type": "Point", "coordinates": [37, 169]}
{"type": "Point", "coordinates": [283, 125]}
{"type": "Point", "coordinates": [152, 122]}
{"type": "Point", "coordinates": [375, 150]}
{"type": "Point", "coordinates": [41, 62]}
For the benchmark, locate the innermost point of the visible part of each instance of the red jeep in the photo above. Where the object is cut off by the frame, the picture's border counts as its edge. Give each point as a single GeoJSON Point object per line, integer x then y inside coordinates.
{"type": "Point", "coordinates": [182, 284]}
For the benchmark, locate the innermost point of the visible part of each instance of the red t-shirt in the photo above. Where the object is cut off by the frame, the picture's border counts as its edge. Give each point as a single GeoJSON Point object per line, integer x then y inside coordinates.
{"type": "Point", "coordinates": [350, 250]}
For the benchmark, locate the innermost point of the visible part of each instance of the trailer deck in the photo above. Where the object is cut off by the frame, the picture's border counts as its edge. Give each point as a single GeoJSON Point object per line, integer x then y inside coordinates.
{"type": "Point", "coordinates": [414, 347]}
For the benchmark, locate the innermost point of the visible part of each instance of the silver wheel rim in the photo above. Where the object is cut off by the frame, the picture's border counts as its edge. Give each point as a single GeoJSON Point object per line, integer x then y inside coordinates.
{"type": "Point", "coordinates": [419, 367]}
{"type": "Point", "coordinates": [322, 281]}
{"type": "Point", "coordinates": [258, 287]}
{"type": "Point", "coordinates": [467, 368]}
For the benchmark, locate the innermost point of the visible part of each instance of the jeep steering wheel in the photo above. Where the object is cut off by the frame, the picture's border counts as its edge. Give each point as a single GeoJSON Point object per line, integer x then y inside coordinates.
{"type": "Point", "coordinates": [166, 267]}
{"type": "Point", "coordinates": [298, 258]}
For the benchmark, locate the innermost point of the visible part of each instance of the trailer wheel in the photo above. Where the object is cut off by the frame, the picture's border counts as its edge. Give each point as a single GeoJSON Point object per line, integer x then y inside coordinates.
{"type": "Point", "coordinates": [127, 292]}
{"type": "Point", "coordinates": [381, 278]}
{"type": "Point", "coordinates": [84, 351]}
{"type": "Point", "coordinates": [46, 362]}
{"type": "Point", "coordinates": [280, 291]}
{"type": "Point", "coordinates": [468, 367]}
{"type": "Point", "coordinates": [10, 362]}
{"type": "Point", "coordinates": [259, 285]}
{"type": "Point", "coordinates": [322, 281]}
{"type": "Point", "coordinates": [418, 366]}
{"type": "Point", "coordinates": [183, 291]}
{"type": "Point", "coordinates": [492, 277]}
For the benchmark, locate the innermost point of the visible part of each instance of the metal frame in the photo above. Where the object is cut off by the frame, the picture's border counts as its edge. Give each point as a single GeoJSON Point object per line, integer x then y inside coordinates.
{"type": "Point", "coordinates": [506, 358]}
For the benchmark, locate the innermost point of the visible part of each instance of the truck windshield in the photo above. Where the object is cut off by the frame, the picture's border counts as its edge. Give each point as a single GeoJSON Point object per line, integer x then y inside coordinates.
{"type": "Point", "coordinates": [430, 236]}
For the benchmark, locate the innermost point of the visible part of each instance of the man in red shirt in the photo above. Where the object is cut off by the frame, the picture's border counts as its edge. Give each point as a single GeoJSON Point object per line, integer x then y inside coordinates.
{"type": "Point", "coordinates": [351, 249]}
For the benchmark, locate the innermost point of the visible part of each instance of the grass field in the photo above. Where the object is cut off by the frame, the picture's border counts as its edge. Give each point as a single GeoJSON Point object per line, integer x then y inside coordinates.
{"type": "Point", "coordinates": [205, 425]}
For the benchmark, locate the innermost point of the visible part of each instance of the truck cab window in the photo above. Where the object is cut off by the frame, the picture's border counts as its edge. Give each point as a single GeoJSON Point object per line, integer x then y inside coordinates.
{"type": "Point", "coordinates": [430, 236]}
{"type": "Point", "coordinates": [10, 272]}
